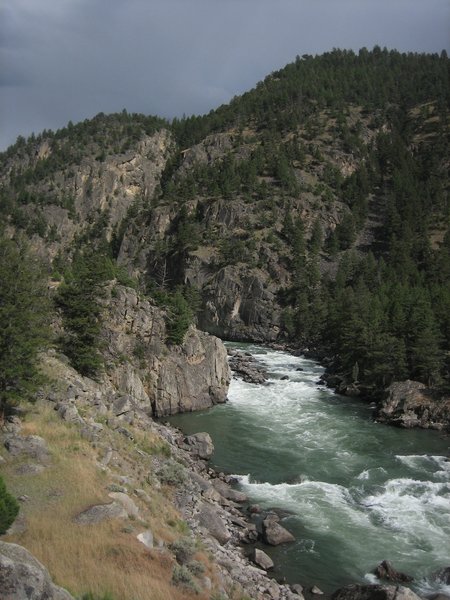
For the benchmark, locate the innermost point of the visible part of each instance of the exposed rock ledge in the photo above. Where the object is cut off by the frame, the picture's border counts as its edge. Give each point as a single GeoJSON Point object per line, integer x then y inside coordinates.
{"type": "Point", "coordinates": [411, 404]}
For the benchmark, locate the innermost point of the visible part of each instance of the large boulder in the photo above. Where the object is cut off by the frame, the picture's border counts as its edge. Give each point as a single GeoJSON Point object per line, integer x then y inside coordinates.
{"type": "Point", "coordinates": [411, 404]}
{"type": "Point", "coordinates": [275, 534]}
{"type": "Point", "coordinates": [228, 492]}
{"type": "Point", "coordinates": [210, 519]}
{"type": "Point", "coordinates": [386, 571]}
{"type": "Point", "coordinates": [200, 444]}
{"type": "Point", "coordinates": [27, 445]}
{"type": "Point", "coordinates": [23, 577]}
{"type": "Point", "coordinates": [374, 592]}
{"type": "Point", "coordinates": [101, 512]}
{"type": "Point", "coordinates": [261, 559]}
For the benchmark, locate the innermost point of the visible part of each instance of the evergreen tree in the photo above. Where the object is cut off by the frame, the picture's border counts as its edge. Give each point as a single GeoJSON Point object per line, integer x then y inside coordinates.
{"type": "Point", "coordinates": [9, 508]}
{"type": "Point", "coordinates": [78, 299]}
{"type": "Point", "coordinates": [24, 321]}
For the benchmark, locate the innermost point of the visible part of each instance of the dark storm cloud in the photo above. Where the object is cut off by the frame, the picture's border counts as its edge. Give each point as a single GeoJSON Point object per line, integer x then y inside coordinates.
{"type": "Point", "coordinates": [69, 59]}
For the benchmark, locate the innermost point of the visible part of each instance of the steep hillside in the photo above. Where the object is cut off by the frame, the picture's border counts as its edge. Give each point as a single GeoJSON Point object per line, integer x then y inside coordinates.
{"type": "Point", "coordinates": [304, 207]}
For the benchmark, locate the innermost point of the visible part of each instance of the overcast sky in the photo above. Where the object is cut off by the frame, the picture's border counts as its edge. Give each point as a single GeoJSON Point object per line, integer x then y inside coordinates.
{"type": "Point", "coordinates": [67, 60]}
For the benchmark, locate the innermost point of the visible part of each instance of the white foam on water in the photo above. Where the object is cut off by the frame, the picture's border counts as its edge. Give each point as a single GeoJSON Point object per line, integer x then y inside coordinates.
{"type": "Point", "coordinates": [317, 503]}
{"type": "Point", "coordinates": [371, 578]}
{"type": "Point", "coordinates": [427, 586]}
{"type": "Point", "coordinates": [406, 517]}
{"type": "Point", "coordinates": [367, 473]}
{"type": "Point", "coordinates": [419, 511]}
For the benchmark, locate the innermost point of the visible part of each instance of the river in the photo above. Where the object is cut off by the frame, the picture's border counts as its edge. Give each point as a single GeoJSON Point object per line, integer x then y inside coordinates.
{"type": "Point", "coordinates": [355, 492]}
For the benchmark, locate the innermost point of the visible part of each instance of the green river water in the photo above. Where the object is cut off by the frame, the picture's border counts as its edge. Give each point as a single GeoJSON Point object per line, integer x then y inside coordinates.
{"type": "Point", "coordinates": [355, 492]}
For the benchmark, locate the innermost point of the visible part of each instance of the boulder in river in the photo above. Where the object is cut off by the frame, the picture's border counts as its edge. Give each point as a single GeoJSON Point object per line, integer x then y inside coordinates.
{"type": "Point", "coordinates": [442, 576]}
{"type": "Point", "coordinates": [275, 534]}
{"type": "Point", "coordinates": [374, 592]}
{"type": "Point", "coordinates": [386, 571]}
{"type": "Point", "coordinates": [228, 492]}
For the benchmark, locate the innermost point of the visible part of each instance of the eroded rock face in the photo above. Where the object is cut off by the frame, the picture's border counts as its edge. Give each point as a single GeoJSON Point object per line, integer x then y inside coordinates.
{"type": "Point", "coordinates": [22, 576]}
{"type": "Point", "coordinates": [241, 304]}
{"type": "Point", "coordinates": [411, 404]}
{"type": "Point", "coordinates": [162, 380]}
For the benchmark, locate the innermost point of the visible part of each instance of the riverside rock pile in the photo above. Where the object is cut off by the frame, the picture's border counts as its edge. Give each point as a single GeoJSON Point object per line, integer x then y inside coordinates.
{"type": "Point", "coordinates": [246, 367]}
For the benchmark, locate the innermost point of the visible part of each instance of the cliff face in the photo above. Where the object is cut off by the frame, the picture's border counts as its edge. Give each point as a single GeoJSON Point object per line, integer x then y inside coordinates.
{"type": "Point", "coordinates": [162, 380]}
{"type": "Point", "coordinates": [82, 201]}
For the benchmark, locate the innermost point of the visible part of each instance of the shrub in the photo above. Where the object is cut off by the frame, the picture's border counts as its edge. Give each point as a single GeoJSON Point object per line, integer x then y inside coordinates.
{"type": "Point", "coordinates": [196, 567]}
{"type": "Point", "coordinates": [183, 549]}
{"type": "Point", "coordinates": [172, 473]}
{"type": "Point", "coordinates": [8, 508]}
{"type": "Point", "coordinates": [182, 576]}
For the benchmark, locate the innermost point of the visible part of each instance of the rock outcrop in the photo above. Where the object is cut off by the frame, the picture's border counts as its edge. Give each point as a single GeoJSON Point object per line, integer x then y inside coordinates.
{"type": "Point", "coordinates": [157, 378]}
{"type": "Point", "coordinates": [411, 404]}
{"type": "Point", "coordinates": [23, 576]}
{"type": "Point", "coordinates": [241, 305]}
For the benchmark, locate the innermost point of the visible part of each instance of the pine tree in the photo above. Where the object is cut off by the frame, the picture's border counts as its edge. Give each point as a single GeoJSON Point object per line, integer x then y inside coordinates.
{"type": "Point", "coordinates": [24, 321]}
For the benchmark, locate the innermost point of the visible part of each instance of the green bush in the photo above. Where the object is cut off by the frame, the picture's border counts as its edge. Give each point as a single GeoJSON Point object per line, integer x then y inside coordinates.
{"type": "Point", "coordinates": [183, 549]}
{"type": "Point", "coordinates": [182, 576]}
{"type": "Point", "coordinates": [8, 508]}
{"type": "Point", "coordinates": [172, 473]}
{"type": "Point", "coordinates": [196, 567]}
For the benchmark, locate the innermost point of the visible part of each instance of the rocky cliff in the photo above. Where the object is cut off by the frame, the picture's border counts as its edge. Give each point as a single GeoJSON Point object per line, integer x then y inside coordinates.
{"type": "Point", "coordinates": [162, 380]}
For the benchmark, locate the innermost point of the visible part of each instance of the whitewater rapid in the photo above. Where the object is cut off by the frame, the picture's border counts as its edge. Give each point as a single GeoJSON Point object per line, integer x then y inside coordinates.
{"type": "Point", "coordinates": [354, 492]}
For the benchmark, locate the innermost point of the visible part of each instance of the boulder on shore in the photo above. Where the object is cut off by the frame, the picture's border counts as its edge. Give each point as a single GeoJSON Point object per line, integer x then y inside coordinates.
{"type": "Point", "coordinates": [200, 444]}
{"type": "Point", "coordinates": [23, 576]}
{"type": "Point", "coordinates": [261, 559]}
{"type": "Point", "coordinates": [210, 519]}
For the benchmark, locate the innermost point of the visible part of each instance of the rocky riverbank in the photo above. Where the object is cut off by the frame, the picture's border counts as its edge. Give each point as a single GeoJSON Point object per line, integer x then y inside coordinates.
{"type": "Point", "coordinates": [115, 429]}
{"type": "Point", "coordinates": [153, 488]}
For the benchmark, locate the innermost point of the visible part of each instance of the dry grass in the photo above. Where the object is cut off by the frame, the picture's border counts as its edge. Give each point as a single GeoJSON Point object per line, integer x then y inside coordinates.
{"type": "Point", "coordinates": [100, 558]}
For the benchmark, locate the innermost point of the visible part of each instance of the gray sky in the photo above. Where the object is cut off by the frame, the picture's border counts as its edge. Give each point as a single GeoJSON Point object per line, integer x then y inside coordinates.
{"type": "Point", "coordinates": [67, 60]}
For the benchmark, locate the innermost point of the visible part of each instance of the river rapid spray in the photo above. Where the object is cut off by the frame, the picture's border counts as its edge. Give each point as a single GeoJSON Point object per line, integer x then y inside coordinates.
{"type": "Point", "coordinates": [355, 492]}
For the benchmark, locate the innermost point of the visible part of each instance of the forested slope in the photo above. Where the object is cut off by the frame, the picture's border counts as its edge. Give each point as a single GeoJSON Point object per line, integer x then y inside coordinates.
{"type": "Point", "coordinates": [313, 209]}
